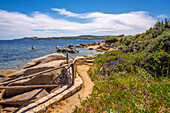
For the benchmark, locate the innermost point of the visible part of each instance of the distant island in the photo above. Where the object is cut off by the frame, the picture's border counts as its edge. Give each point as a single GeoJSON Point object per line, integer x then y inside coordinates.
{"type": "Point", "coordinates": [82, 37]}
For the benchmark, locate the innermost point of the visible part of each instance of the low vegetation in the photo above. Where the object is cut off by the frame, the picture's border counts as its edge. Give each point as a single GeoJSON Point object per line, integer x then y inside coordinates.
{"type": "Point", "coordinates": [136, 77]}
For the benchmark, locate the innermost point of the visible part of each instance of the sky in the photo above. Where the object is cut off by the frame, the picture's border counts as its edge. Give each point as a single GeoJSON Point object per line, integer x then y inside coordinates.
{"type": "Point", "coordinates": [55, 18]}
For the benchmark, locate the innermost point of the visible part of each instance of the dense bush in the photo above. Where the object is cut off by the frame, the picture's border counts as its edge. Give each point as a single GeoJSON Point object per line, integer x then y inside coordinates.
{"type": "Point", "coordinates": [112, 39]}
{"type": "Point", "coordinates": [161, 42]}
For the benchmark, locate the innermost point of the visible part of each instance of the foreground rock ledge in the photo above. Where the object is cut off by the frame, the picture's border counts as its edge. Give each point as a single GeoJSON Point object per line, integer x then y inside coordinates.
{"type": "Point", "coordinates": [17, 97]}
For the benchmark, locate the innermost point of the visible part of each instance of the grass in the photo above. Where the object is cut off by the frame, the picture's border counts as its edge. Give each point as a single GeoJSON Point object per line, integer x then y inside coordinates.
{"type": "Point", "coordinates": [133, 79]}
{"type": "Point", "coordinates": [133, 91]}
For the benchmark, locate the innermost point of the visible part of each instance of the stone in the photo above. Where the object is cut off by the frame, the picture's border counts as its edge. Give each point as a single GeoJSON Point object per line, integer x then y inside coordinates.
{"type": "Point", "coordinates": [9, 109]}
{"type": "Point", "coordinates": [7, 72]}
{"type": "Point", "coordinates": [72, 50]}
{"type": "Point", "coordinates": [43, 79]}
{"type": "Point", "coordinates": [78, 46]}
{"type": "Point", "coordinates": [94, 43]}
{"type": "Point", "coordinates": [71, 45]}
{"type": "Point", "coordinates": [33, 47]}
{"type": "Point", "coordinates": [22, 98]}
{"type": "Point", "coordinates": [45, 59]}
{"type": "Point", "coordinates": [107, 45]}
{"type": "Point", "coordinates": [99, 50]}
{"type": "Point", "coordinates": [59, 50]}
{"type": "Point", "coordinates": [91, 48]}
{"type": "Point", "coordinates": [99, 47]}
{"type": "Point", "coordinates": [84, 45]}
{"type": "Point", "coordinates": [104, 48]}
{"type": "Point", "coordinates": [58, 47]}
{"type": "Point", "coordinates": [35, 69]}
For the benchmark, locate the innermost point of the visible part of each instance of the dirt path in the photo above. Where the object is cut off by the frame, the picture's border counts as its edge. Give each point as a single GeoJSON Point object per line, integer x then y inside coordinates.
{"type": "Point", "coordinates": [68, 105]}
{"type": "Point", "coordinates": [83, 93]}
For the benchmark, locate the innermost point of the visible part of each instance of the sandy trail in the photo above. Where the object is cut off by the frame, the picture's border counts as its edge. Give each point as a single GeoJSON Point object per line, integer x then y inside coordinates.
{"type": "Point", "coordinates": [68, 105]}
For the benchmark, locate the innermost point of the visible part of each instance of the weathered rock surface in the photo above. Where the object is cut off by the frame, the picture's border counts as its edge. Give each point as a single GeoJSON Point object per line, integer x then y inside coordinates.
{"type": "Point", "coordinates": [70, 46]}
{"type": "Point", "coordinates": [19, 96]}
{"type": "Point", "coordinates": [7, 72]}
{"type": "Point", "coordinates": [35, 69]}
{"type": "Point", "coordinates": [45, 59]}
{"type": "Point", "coordinates": [8, 110]}
{"type": "Point", "coordinates": [22, 98]}
{"type": "Point", "coordinates": [42, 79]}
{"type": "Point", "coordinates": [102, 48]}
{"type": "Point", "coordinates": [70, 50]}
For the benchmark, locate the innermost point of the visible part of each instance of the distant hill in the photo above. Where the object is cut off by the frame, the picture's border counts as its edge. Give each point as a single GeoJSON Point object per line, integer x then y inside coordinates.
{"type": "Point", "coordinates": [82, 37]}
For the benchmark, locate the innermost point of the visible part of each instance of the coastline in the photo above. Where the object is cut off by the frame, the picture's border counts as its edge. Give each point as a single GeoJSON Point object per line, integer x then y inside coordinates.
{"type": "Point", "coordinates": [16, 53]}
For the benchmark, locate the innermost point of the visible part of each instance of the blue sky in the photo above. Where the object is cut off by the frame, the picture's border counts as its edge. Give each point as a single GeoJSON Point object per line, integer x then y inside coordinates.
{"type": "Point", "coordinates": [43, 18]}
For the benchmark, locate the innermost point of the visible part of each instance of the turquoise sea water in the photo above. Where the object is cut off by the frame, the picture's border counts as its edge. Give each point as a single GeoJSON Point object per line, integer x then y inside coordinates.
{"type": "Point", "coordinates": [16, 53]}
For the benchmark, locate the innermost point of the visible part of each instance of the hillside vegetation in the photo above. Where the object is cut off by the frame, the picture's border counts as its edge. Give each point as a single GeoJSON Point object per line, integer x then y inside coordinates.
{"type": "Point", "coordinates": [136, 77]}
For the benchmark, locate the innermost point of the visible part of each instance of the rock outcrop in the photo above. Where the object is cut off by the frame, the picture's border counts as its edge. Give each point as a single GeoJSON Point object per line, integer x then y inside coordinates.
{"type": "Point", "coordinates": [71, 49]}
{"type": "Point", "coordinates": [19, 96]}
{"type": "Point", "coordinates": [22, 98]}
{"type": "Point", "coordinates": [45, 59]}
{"type": "Point", "coordinates": [7, 72]}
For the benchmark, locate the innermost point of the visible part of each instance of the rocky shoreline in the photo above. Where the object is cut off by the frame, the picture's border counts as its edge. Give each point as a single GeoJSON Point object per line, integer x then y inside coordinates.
{"type": "Point", "coordinates": [99, 47]}
{"type": "Point", "coordinates": [10, 99]}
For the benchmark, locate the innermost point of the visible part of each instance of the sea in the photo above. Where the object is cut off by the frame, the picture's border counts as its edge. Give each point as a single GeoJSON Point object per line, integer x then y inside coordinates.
{"type": "Point", "coordinates": [14, 54]}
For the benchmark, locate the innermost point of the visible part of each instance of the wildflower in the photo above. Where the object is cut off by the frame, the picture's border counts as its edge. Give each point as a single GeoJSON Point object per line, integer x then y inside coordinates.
{"type": "Point", "coordinates": [104, 74]}
{"type": "Point", "coordinates": [145, 55]}
{"type": "Point", "coordinates": [153, 52]}
{"type": "Point", "coordinates": [87, 108]}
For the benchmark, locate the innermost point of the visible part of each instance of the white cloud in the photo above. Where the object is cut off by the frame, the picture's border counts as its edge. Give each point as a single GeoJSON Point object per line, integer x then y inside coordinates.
{"type": "Point", "coordinates": [162, 16]}
{"type": "Point", "coordinates": [17, 25]}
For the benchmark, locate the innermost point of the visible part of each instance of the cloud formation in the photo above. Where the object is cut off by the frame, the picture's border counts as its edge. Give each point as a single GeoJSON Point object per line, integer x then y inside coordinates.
{"type": "Point", "coordinates": [17, 25]}
{"type": "Point", "coordinates": [161, 16]}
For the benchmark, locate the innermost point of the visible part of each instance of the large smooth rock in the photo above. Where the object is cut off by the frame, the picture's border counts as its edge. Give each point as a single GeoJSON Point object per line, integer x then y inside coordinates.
{"type": "Point", "coordinates": [35, 69]}
{"type": "Point", "coordinates": [22, 98]}
{"type": "Point", "coordinates": [45, 59]}
{"type": "Point", "coordinates": [42, 79]}
{"type": "Point", "coordinates": [7, 72]}
{"type": "Point", "coordinates": [37, 80]}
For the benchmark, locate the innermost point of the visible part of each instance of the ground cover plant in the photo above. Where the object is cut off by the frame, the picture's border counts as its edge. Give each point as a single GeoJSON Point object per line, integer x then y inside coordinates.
{"type": "Point", "coordinates": [135, 78]}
